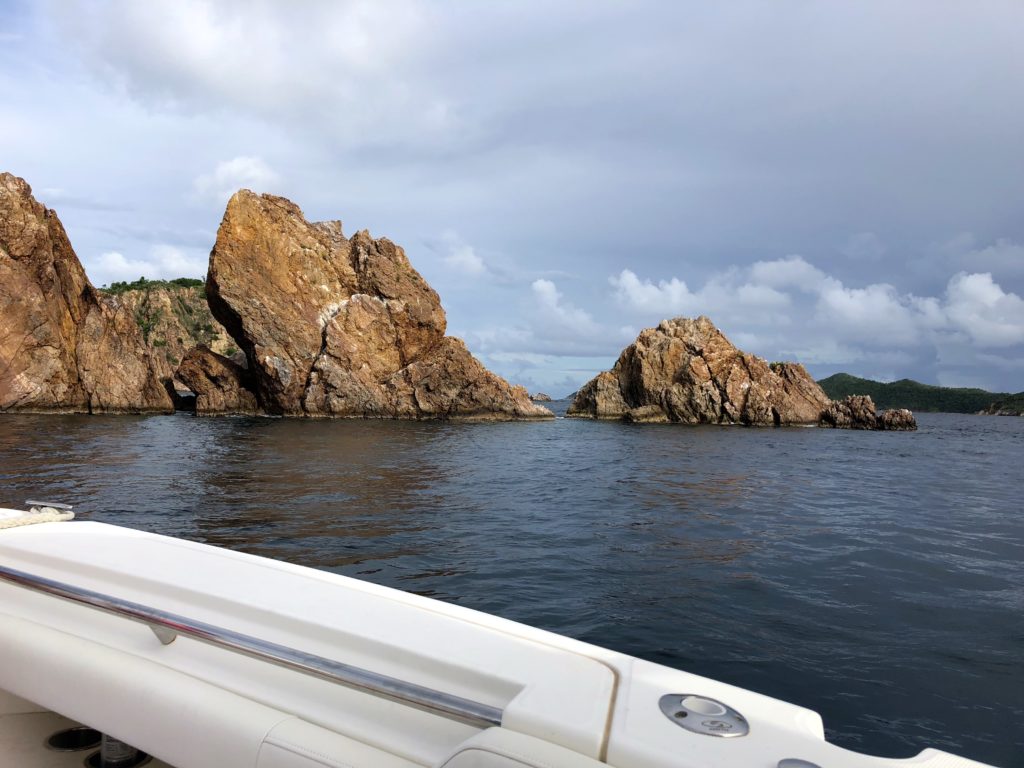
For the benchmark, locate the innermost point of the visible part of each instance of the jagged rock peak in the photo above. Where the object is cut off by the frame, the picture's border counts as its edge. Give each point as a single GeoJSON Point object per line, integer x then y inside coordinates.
{"type": "Point", "coordinates": [336, 326]}
{"type": "Point", "coordinates": [686, 370]}
{"type": "Point", "coordinates": [63, 347]}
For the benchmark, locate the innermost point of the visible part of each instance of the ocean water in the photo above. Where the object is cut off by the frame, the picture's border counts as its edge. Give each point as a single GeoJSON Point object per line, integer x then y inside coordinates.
{"type": "Point", "coordinates": [877, 578]}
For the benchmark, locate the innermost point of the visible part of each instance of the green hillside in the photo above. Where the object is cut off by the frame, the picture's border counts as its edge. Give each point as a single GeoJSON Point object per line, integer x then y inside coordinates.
{"type": "Point", "coordinates": [907, 393]}
{"type": "Point", "coordinates": [1014, 404]}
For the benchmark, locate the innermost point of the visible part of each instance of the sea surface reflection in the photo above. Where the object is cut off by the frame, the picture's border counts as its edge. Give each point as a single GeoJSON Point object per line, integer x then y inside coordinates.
{"type": "Point", "coordinates": [874, 577]}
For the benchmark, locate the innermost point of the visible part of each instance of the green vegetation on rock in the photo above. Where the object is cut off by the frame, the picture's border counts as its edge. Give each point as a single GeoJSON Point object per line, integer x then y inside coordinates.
{"type": "Point", "coordinates": [173, 315]}
{"type": "Point", "coordinates": [143, 284]}
{"type": "Point", "coordinates": [914, 395]}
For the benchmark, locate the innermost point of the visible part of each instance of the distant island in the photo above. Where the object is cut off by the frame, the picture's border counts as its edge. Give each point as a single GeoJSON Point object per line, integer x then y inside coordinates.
{"type": "Point", "coordinates": [916, 396]}
{"type": "Point", "coordinates": [1012, 405]}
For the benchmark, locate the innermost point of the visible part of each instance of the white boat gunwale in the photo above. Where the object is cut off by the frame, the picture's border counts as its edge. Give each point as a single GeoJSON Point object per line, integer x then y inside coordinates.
{"type": "Point", "coordinates": [560, 703]}
{"type": "Point", "coordinates": [166, 626]}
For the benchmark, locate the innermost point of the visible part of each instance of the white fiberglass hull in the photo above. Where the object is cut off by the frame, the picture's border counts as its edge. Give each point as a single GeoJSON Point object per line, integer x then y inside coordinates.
{"type": "Point", "coordinates": [541, 699]}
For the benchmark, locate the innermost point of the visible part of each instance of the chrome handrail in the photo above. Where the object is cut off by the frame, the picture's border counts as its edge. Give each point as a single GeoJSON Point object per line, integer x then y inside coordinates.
{"type": "Point", "coordinates": [166, 626]}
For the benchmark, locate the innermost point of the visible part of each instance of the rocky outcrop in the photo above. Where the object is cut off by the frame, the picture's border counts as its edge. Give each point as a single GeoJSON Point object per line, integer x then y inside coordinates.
{"type": "Point", "coordinates": [1012, 405]}
{"type": "Point", "coordinates": [336, 326]}
{"type": "Point", "coordinates": [688, 371]}
{"type": "Point", "coordinates": [174, 319]}
{"type": "Point", "coordinates": [858, 412]}
{"type": "Point", "coordinates": [220, 385]}
{"type": "Point", "coordinates": [852, 412]}
{"type": "Point", "coordinates": [541, 397]}
{"type": "Point", "coordinates": [62, 346]}
{"type": "Point", "coordinates": [897, 420]}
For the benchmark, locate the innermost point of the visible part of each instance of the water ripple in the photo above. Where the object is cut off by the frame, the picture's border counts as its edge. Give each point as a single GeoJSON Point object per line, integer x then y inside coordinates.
{"type": "Point", "coordinates": [874, 577]}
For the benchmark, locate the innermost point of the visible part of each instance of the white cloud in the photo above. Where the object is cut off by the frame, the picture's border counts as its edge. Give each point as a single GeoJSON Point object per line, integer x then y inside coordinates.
{"type": "Point", "coordinates": [549, 336]}
{"type": "Point", "coordinates": [564, 316]}
{"type": "Point", "coordinates": [459, 255]}
{"type": "Point", "coordinates": [973, 304]}
{"type": "Point", "coordinates": [538, 147]}
{"type": "Point", "coordinates": [666, 297]}
{"type": "Point", "coordinates": [464, 259]}
{"type": "Point", "coordinates": [790, 308]}
{"type": "Point", "coordinates": [875, 312]}
{"type": "Point", "coordinates": [726, 294]}
{"type": "Point", "coordinates": [978, 306]}
{"type": "Point", "coordinates": [1004, 258]}
{"type": "Point", "coordinates": [790, 272]}
{"type": "Point", "coordinates": [228, 177]}
{"type": "Point", "coordinates": [782, 309]}
{"type": "Point", "coordinates": [165, 262]}
{"type": "Point", "coordinates": [347, 67]}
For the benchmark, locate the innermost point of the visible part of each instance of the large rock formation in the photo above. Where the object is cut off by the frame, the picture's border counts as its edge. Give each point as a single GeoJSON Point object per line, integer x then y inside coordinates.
{"type": "Point", "coordinates": [62, 346]}
{"type": "Point", "coordinates": [332, 326]}
{"type": "Point", "coordinates": [687, 371]}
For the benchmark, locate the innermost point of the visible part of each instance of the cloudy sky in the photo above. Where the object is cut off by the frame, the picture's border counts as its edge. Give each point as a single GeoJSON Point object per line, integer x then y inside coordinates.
{"type": "Point", "coordinates": [840, 183]}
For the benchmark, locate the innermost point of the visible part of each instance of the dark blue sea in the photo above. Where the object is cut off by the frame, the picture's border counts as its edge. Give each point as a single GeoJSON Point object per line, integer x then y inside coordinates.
{"type": "Point", "coordinates": [877, 578]}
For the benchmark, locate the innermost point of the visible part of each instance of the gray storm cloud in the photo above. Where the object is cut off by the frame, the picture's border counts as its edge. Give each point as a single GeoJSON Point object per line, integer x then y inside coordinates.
{"type": "Point", "coordinates": [567, 174]}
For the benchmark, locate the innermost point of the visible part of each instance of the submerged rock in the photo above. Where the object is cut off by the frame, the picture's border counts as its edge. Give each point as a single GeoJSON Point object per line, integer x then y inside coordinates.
{"type": "Point", "coordinates": [687, 371]}
{"type": "Point", "coordinates": [63, 347]}
{"type": "Point", "coordinates": [336, 326]}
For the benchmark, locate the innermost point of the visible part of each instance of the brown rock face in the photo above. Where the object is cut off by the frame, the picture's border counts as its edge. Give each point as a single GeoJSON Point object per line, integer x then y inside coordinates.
{"type": "Point", "coordinates": [173, 319]}
{"type": "Point", "coordinates": [688, 371]}
{"type": "Point", "coordinates": [858, 412]}
{"type": "Point", "coordinates": [333, 326]}
{"type": "Point", "coordinates": [852, 412]}
{"type": "Point", "coordinates": [62, 347]}
{"type": "Point", "coordinates": [897, 419]}
{"type": "Point", "coordinates": [221, 386]}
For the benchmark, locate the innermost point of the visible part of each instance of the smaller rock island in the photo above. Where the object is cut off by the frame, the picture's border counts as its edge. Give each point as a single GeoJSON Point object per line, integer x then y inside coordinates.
{"type": "Point", "coordinates": [686, 371]}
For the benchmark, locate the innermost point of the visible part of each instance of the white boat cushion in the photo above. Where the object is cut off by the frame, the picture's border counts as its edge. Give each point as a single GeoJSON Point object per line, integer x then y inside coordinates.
{"type": "Point", "coordinates": [174, 717]}
{"type": "Point", "coordinates": [502, 748]}
{"type": "Point", "coordinates": [297, 744]}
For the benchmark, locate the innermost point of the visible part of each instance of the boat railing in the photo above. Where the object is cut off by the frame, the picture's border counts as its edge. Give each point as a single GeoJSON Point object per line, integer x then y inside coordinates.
{"type": "Point", "coordinates": [167, 626]}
